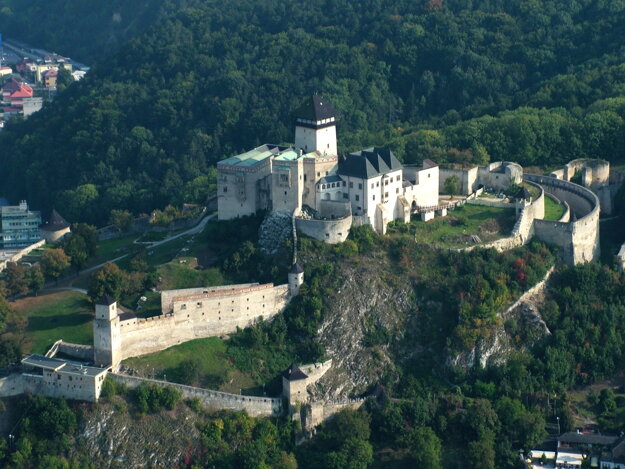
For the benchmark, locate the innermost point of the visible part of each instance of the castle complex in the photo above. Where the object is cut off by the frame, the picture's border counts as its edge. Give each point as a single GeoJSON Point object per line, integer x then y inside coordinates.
{"type": "Point", "coordinates": [325, 192]}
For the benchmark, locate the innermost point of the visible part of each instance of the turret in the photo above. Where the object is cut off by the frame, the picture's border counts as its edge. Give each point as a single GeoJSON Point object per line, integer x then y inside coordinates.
{"type": "Point", "coordinates": [296, 278]}
{"type": "Point", "coordinates": [315, 126]}
{"type": "Point", "coordinates": [294, 382]}
{"type": "Point", "coordinates": [106, 333]}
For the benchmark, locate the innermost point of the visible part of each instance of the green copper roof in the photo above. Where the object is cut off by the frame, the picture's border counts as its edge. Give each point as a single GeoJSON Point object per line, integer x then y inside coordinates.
{"type": "Point", "coordinates": [289, 155]}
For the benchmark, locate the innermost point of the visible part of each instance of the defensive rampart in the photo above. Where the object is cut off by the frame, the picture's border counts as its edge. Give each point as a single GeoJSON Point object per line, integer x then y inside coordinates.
{"type": "Point", "coordinates": [254, 406]}
{"type": "Point", "coordinates": [578, 238]}
{"type": "Point", "coordinates": [213, 312]}
{"type": "Point", "coordinates": [331, 231]}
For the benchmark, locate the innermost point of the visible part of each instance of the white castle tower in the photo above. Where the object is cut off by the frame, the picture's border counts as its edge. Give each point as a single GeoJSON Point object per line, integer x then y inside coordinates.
{"type": "Point", "coordinates": [296, 278]}
{"type": "Point", "coordinates": [315, 126]}
{"type": "Point", "coordinates": [106, 333]}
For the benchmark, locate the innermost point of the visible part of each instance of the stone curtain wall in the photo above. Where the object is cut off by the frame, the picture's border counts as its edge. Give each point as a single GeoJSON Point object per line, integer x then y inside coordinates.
{"type": "Point", "coordinates": [18, 255]}
{"type": "Point", "coordinates": [11, 385]}
{"type": "Point", "coordinates": [321, 411]}
{"type": "Point", "coordinates": [578, 239]}
{"type": "Point", "coordinates": [466, 177]}
{"type": "Point", "coordinates": [83, 352]}
{"type": "Point", "coordinates": [204, 315]}
{"type": "Point", "coordinates": [254, 406]}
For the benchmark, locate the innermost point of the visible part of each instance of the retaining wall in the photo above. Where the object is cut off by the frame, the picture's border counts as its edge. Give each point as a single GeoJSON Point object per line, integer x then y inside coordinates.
{"type": "Point", "coordinates": [254, 406]}
{"type": "Point", "coordinates": [330, 231]}
{"type": "Point", "coordinates": [321, 411]}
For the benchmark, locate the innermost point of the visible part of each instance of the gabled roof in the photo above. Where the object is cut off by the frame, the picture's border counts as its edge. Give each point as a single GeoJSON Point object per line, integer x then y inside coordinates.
{"type": "Point", "coordinates": [296, 269]}
{"type": "Point", "coordinates": [369, 163]}
{"type": "Point", "coordinates": [293, 373]}
{"type": "Point", "coordinates": [56, 222]}
{"type": "Point", "coordinates": [428, 163]}
{"type": "Point", "coordinates": [587, 438]}
{"type": "Point", "coordinates": [24, 91]}
{"type": "Point", "coordinates": [12, 85]}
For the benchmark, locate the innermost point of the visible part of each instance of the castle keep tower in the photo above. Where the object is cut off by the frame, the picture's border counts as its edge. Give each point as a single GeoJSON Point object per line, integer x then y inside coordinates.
{"type": "Point", "coordinates": [106, 333]}
{"type": "Point", "coordinates": [315, 126]}
{"type": "Point", "coordinates": [296, 278]}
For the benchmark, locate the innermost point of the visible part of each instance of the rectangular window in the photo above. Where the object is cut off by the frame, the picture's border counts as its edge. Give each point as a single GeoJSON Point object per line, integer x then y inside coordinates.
{"type": "Point", "coordinates": [344, 183]}
{"type": "Point", "coordinates": [225, 188]}
{"type": "Point", "coordinates": [397, 191]}
{"type": "Point", "coordinates": [378, 184]}
{"type": "Point", "coordinates": [386, 195]}
{"type": "Point", "coordinates": [359, 185]}
{"type": "Point", "coordinates": [372, 186]}
{"type": "Point", "coordinates": [357, 197]}
{"type": "Point", "coordinates": [183, 307]}
{"type": "Point", "coordinates": [351, 185]}
{"type": "Point", "coordinates": [373, 197]}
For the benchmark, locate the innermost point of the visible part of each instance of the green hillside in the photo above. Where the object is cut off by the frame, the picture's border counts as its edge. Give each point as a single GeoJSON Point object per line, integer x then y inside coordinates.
{"type": "Point", "coordinates": [535, 82]}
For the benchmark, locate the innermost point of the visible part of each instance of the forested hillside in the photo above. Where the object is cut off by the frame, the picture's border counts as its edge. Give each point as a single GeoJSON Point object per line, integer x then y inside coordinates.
{"type": "Point", "coordinates": [535, 82]}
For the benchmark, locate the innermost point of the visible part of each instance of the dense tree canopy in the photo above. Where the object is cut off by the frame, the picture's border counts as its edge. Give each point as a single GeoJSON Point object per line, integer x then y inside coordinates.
{"type": "Point", "coordinates": [539, 83]}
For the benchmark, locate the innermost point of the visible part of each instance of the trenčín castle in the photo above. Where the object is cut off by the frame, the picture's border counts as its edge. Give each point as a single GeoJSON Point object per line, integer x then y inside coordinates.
{"type": "Point", "coordinates": [326, 193]}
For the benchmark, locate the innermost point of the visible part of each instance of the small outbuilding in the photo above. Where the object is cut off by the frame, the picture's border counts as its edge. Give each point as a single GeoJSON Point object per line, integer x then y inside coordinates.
{"type": "Point", "coordinates": [55, 228]}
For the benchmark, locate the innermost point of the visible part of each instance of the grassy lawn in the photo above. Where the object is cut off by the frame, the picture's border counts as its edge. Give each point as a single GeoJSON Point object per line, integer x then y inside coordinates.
{"type": "Point", "coordinates": [182, 273]}
{"type": "Point", "coordinates": [61, 315]}
{"type": "Point", "coordinates": [535, 191]}
{"type": "Point", "coordinates": [455, 230]}
{"type": "Point", "coordinates": [201, 362]}
{"type": "Point", "coordinates": [112, 248]}
{"type": "Point", "coordinates": [553, 210]}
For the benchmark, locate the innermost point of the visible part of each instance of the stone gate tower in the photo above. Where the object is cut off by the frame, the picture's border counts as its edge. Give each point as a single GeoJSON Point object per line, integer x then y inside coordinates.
{"type": "Point", "coordinates": [106, 333]}
{"type": "Point", "coordinates": [315, 126]}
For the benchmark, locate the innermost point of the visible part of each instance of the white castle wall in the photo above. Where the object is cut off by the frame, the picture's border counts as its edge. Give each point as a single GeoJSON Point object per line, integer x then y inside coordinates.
{"type": "Point", "coordinates": [201, 315]}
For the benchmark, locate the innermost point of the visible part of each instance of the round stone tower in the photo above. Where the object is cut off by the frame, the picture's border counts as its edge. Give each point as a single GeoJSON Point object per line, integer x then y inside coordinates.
{"type": "Point", "coordinates": [296, 278]}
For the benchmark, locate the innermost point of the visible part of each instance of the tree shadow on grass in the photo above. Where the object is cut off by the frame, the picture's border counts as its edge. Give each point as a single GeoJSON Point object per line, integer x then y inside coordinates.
{"type": "Point", "coordinates": [43, 323]}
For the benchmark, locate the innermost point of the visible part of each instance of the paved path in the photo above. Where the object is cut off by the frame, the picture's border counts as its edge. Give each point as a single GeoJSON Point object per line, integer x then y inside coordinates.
{"type": "Point", "coordinates": [80, 290]}
{"type": "Point", "coordinates": [50, 286]}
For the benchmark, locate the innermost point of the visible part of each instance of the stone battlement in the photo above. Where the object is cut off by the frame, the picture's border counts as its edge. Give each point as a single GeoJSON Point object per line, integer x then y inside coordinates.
{"type": "Point", "coordinates": [224, 293]}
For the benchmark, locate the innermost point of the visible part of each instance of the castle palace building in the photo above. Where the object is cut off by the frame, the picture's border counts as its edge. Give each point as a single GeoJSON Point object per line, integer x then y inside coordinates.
{"type": "Point", "coordinates": [326, 193]}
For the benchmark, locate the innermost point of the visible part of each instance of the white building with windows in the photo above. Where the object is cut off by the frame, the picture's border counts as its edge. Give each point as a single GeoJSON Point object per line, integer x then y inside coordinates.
{"type": "Point", "coordinates": [323, 189]}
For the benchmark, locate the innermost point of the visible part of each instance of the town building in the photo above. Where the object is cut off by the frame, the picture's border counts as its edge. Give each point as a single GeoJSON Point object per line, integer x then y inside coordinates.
{"type": "Point", "coordinates": [49, 78]}
{"type": "Point", "coordinates": [19, 226]}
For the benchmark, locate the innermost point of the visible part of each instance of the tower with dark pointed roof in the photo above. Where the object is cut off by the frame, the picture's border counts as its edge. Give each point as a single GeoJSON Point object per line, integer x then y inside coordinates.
{"type": "Point", "coordinates": [55, 228]}
{"type": "Point", "coordinates": [294, 382]}
{"type": "Point", "coordinates": [296, 278]}
{"type": "Point", "coordinates": [315, 126]}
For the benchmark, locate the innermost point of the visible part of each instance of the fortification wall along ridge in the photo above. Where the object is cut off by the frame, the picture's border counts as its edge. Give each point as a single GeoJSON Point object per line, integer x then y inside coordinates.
{"type": "Point", "coordinates": [201, 315]}
{"type": "Point", "coordinates": [254, 406]}
{"type": "Point", "coordinates": [579, 238]}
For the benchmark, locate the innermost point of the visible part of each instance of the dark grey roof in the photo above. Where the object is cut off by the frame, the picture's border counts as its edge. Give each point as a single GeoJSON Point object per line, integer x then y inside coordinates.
{"type": "Point", "coordinates": [315, 109]}
{"type": "Point", "coordinates": [428, 163]}
{"type": "Point", "coordinates": [106, 300]}
{"type": "Point", "coordinates": [293, 373]}
{"type": "Point", "coordinates": [296, 269]}
{"type": "Point", "coordinates": [62, 366]}
{"type": "Point", "coordinates": [330, 178]}
{"type": "Point", "coordinates": [587, 439]}
{"type": "Point", "coordinates": [56, 222]}
{"type": "Point", "coordinates": [369, 163]}
{"type": "Point", "coordinates": [41, 361]}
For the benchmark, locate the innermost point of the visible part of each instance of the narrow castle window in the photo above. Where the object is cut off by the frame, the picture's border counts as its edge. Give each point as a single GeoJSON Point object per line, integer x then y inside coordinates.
{"type": "Point", "coordinates": [225, 189]}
